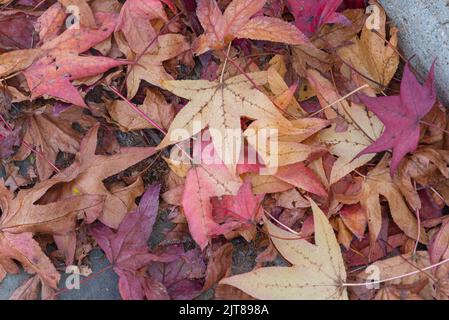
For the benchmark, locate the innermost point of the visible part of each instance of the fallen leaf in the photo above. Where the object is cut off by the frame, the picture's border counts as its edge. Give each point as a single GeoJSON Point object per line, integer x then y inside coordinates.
{"type": "Point", "coordinates": [317, 271]}
{"type": "Point", "coordinates": [94, 169]}
{"type": "Point", "coordinates": [154, 106]}
{"type": "Point", "coordinates": [149, 67]}
{"type": "Point", "coordinates": [401, 116]}
{"type": "Point", "coordinates": [202, 183]}
{"type": "Point", "coordinates": [50, 133]}
{"type": "Point", "coordinates": [236, 22]}
{"type": "Point", "coordinates": [371, 56]}
{"type": "Point", "coordinates": [22, 217]}
{"type": "Point", "coordinates": [220, 107]}
{"type": "Point", "coordinates": [51, 67]}
{"type": "Point", "coordinates": [127, 249]}
{"type": "Point", "coordinates": [362, 128]}
{"type": "Point", "coordinates": [135, 22]}
{"type": "Point", "coordinates": [378, 182]}
{"type": "Point", "coordinates": [310, 16]}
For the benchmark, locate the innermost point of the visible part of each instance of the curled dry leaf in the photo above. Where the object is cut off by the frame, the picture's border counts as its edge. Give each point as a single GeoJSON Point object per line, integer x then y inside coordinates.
{"type": "Point", "coordinates": [370, 56]}
{"type": "Point", "coordinates": [149, 67]}
{"type": "Point", "coordinates": [363, 128]}
{"type": "Point", "coordinates": [378, 182]}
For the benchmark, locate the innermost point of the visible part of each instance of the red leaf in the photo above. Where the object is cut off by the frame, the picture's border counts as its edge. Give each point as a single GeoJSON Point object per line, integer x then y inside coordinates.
{"type": "Point", "coordinates": [52, 73]}
{"type": "Point", "coordinates": [310, 15]}
{"type": "Point", "coordinates": [401, 116]}
{"type": "Point", "coordinates": [16, 30]}
{"type": "Point", "coordinates": [127, 249]}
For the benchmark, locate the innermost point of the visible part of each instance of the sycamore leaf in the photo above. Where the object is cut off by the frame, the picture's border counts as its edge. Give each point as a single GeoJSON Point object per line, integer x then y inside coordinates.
{"type": "Point", "coordinates": [310, 16]}
{"type": "Point", "coordinates": [379, 183]}
{"type": "Point", "coordinates": [370, 56]}
{"type": "Point", "coordinates": [135, 22]}
{"type": "Point", "coordinates": [362, 128]}
{"type": "Point", "coordinates": [401, 116]}
{"type": "Point", "coordinates": [149, 66]}
{"type": "Point", "coordinates": [220, 107]}
{"type": "Point", "coordinates": [236, 22]}
{"type": "Point", "coordinates": [317, 271]}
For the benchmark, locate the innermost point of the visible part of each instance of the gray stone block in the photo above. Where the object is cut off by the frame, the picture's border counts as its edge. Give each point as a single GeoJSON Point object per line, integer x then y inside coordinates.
{"type": "Point", "coordinates": [424, 33]}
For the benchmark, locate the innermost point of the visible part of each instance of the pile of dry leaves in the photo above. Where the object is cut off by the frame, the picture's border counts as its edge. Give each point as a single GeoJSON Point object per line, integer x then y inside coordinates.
{"type": "Point", "coordinates": [105, 104]}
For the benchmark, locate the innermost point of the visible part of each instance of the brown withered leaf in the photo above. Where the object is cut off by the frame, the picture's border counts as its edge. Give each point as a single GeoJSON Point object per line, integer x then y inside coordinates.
{"type": "Point", "coordinates": [94, 169]}
{"type": "Point", "coordinates": [429, 168]}
{"type": "Point", "coordinates": [23, 216]}
{"type": "Point", "coordinates": [219, 265]}
{"type": "Point", "coordinates": [378, 182]}
{"type": "Point", "coordinates": [149, 67]}
{"type": "Point", "coordinates": [49, 133]}
{"type": "Point", "coordinates": [154, 106]}
{"type": "Point", "coordinates": [371, 56]}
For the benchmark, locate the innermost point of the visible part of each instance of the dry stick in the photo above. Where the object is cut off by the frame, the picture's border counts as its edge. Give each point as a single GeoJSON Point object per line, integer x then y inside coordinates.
{"type": "Point", "coordinates": [30, 147]}
{"type": "Point", "coordinates": [280, 223]}
{"type": "Point", "coordinates": [396, 277]}
{"type": "Point", "coordinates": [419, 224]}
{"type": "Point", "coordinates": [339, 100]}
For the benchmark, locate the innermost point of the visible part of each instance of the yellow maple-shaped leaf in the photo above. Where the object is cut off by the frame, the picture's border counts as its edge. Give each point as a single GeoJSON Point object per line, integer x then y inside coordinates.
{"type": "Point", "coordinates": [219, 106]}
{"type": "Point", "coordinates": [363, 127]}
{"type": "Point", "coordinates": [317, 271]}
{"type": "Point", "coordinates": [371, 56]}
{"type": "Point", "coordinates": [378, 182]}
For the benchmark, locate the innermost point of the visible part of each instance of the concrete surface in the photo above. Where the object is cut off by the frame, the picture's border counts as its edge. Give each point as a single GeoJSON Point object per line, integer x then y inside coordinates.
{"type": "Point", "coordinates": [101, 287]}
{"type": "Point", "coordinates": [424, 32]}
